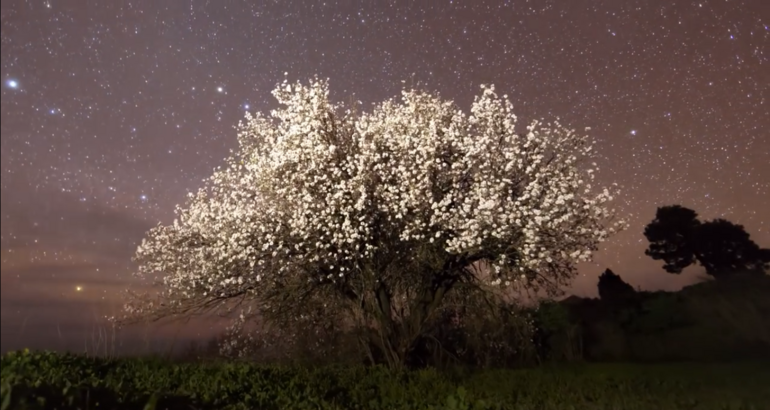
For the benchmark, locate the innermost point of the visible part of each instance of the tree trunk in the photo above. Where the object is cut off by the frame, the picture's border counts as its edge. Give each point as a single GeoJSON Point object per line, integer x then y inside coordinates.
{"type": "Point", "coordinates": [396, 339]}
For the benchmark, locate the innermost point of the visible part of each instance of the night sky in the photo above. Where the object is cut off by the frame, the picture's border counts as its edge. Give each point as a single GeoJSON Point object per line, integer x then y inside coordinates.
{"type": "Point", "coordinates": [113, 110]}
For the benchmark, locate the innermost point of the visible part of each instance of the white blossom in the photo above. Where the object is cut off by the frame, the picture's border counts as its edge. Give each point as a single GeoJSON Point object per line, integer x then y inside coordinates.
{"type": "Point", "coordinates": [311, 191]}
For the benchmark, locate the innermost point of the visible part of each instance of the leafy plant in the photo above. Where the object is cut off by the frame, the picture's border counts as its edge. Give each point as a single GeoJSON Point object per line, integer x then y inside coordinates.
{"type": "Point", "coordinates": [44, 380]}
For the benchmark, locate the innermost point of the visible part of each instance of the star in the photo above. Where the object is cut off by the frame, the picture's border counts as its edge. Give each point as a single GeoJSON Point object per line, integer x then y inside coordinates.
{"type": "Point", "coordinates": [12, 84]}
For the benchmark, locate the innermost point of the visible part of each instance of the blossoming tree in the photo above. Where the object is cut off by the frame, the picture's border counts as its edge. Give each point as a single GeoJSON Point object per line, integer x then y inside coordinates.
{"type": "Point", "coordinates": [377, 216]}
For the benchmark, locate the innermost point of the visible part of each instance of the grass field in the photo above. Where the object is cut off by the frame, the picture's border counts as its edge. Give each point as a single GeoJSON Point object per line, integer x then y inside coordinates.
{"type": "Point", "coordinates": [40, 380]}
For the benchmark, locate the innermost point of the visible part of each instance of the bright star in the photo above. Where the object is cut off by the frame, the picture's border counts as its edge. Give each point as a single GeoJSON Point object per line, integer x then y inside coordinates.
{"type": "Point", "coordinates": [13, 84]}
{"type": "Point", "coordinates": [78, 288]}
{"type": "Point", "coordinates": [220, 89]}
{"type": "Point", "coordinates": [246, 106]}
{"type": "Point", "coordinates": [633, 132]}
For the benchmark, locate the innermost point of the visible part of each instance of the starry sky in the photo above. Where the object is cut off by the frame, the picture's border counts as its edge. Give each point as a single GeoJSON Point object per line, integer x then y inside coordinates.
{"type": "Point", "coordinates": [113, 111]}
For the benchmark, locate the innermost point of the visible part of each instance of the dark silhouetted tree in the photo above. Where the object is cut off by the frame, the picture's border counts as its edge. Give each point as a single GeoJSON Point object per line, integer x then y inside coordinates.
{"type": "Point", "coordinates": [679, 239]}
{"type": "Point", "coordinates": [671, 236]}
{"type": "Point", "coordinates": [723, 247]}
{"type": "Point", "coordinates": [613, 288]}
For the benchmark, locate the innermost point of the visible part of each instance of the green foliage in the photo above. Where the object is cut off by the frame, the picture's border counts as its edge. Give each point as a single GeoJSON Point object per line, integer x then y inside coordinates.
{"type": "Point", "coordinates": [498, 335]}
{"type": "Point", "coordinates": [552, 317]}
{"type": "Point", "coordinates": [559, 335]}
{"type": "Point", "coordinates": [739, 306]}
{"type": "Point", "coordinates": [724, 319]}
{"type": "Point", "coordinates": [48, 380]}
